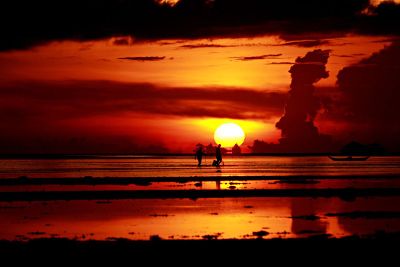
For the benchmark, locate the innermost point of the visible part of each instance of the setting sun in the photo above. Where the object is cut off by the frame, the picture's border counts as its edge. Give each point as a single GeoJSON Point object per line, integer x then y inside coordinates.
{"type": "Point", "coordinates": [229, 134]}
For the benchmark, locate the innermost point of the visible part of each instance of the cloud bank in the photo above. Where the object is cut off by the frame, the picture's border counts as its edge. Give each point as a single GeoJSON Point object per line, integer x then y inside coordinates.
{"type": "Point", "coordinates": [26, 23]}
{"type": "Point", "coordinates": [297, 124]}
{"type": "Point", "coordinates": [371, 97]}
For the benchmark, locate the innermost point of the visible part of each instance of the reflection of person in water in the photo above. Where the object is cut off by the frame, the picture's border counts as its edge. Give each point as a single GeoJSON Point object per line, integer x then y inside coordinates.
{"type": "Point", "coordinates": [199, 155]}
{"type": "Point", "coordinates": [304, 216]}
{"type": "Point", "coordinates": [218, 155]}
{"type": "Point", "coordinates": [218, 184]}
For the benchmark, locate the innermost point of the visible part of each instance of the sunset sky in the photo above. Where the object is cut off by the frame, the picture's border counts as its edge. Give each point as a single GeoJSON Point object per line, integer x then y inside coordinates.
{"type": "Point", "coordinates": [160, 76]}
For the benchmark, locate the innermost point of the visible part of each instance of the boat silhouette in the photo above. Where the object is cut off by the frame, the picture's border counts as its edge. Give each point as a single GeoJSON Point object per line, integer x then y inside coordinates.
{"type": "Point", "coordinates": [348, 158]}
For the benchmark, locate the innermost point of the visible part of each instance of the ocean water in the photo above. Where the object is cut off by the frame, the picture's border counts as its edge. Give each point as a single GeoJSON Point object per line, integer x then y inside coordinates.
{"type": "Point", "coordinates": [186, 166]}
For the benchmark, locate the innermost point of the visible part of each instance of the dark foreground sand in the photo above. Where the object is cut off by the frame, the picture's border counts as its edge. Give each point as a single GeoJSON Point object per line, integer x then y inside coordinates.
{"type": "Point", "coordinates": [380, 249]}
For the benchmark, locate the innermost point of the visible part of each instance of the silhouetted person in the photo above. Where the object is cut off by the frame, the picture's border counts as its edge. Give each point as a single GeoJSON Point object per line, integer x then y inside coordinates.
{"type": "Point", "coordinates": [218, 155]}
{"type": "Point", "coordinates": [199, 155]}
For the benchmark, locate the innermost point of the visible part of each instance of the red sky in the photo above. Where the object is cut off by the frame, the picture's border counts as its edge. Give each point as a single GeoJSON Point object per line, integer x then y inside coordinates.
{"type": "Point", "coordinates": [122, 94]}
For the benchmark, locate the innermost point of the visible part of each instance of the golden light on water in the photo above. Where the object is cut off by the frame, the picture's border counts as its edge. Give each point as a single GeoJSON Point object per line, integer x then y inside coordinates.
{"type": "Point", "coordinates": [229, 134]}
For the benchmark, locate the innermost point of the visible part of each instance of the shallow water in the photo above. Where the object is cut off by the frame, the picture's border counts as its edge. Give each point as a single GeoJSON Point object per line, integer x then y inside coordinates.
{"type": "Point", "coordinates": [228, 184]}
{"type": "Point", "coordinates": [174, 218]}
{"type": "Point", "coordinates": [186, 166]}
{"type": "Point", "coordinates": [197, 219]}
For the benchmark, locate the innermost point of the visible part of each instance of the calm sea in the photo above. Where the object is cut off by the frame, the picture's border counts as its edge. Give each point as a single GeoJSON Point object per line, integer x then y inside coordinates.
{"type": "Point", "coordinates": [186, 166]}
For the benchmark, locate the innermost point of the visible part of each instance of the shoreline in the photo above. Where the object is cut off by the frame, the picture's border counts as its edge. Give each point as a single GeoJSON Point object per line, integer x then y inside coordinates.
{"type": "Point", "coordinates": [343, 193]}
{"type": "Point", "coordinates": [89, 180]}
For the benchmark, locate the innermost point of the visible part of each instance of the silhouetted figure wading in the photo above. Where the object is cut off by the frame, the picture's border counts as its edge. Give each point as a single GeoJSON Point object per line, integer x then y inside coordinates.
{"type": "Point", "coordinates": [199, 155]}
{"type": "Point", "coordinates": [218, 155]}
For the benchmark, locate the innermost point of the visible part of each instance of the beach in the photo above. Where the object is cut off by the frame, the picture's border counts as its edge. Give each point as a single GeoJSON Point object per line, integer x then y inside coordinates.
{"type": "Point", "coordinates": [290, 198]}
{"type": "Point", "coordinates": [80, 207]}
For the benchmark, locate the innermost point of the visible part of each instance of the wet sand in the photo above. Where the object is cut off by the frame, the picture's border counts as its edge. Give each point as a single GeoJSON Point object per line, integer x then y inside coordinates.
{"type": "Point", "coordinates": [89, 180]}
{"type": "Point", "coordinates": [344, 193]}
{"type": "Point", "coordinates": [226, 215]}
{"type": "Point", "coordinates": [294, 196]}
{"type": "Point", "coordinates": [204, 218]}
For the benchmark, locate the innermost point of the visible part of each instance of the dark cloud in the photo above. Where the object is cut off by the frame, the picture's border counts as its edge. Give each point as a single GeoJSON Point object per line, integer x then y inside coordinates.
{"type": "Point", "coordinates": [281, 63]}
{"type": "Point", "coordinates": [386, 40]}
{"type": "Point", "coordinates": [371, 97]}
{"type": "Point", "coordinates": [195, 46]}
{"type": "Point", "coordinates": [27, 23]}
{"type": "Point", "coordinates": [122, 41]}
{"type": "Point", "coordinates": [312, 36]}
{"type": "Point", "coordinates": [149, 58]}
{"type": "Point", "coordinates": [305, 43]}
{"type": "Point", "coordinates": [249, 58]}
{"type": "Point", "coordinates": [297, 124]}
{"type": "Point", "coordinates": [74, 99]}
{"type": "Point", "coordinates": [348, 56]}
